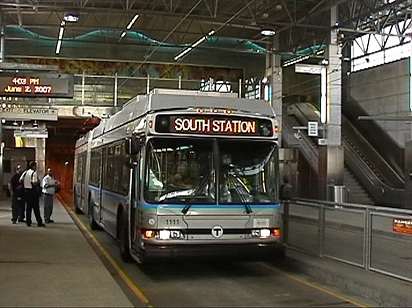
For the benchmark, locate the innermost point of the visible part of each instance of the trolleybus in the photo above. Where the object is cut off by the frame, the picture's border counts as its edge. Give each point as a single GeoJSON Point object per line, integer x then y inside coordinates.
{"type": "Point", "coordinates": [184, 174]}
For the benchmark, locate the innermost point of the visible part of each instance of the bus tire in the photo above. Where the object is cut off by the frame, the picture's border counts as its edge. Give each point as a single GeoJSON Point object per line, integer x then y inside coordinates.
{"type": "Point", "coordinates": [92, 222]}
{"type": "Point", "coordinates": [123, 228]}
{"type": "Point", "coordinates": [77, 210]}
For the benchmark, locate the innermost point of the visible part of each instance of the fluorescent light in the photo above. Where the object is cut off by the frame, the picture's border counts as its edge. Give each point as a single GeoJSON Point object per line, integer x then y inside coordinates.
{"type": "Point", "coordinates": [186, 51]}
{"type": "Point", "coordinates": [61, 32]}
{"type": "Point", "coordinates": [323, 98]}
{"type": "Point", "coordinates": [123, 34]}
{"type": "Point", "coordinates": [295, 60]}
{"type": "Point", "coordinates": [199, 41]}
{"type": "Point", "coordinates": [58, 46]}
{"type": "Point", "coordinates": [194, 45]}
{"type": "Point", "coordinates": [60, 38]}
{"type": "Point", "coordinates": [132, 21]}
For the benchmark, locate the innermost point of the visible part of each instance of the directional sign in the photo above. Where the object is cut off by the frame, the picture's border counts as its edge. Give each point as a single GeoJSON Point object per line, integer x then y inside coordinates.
{"type": "Point", "coordinates": [29, 113]}
{"type": "Point", "coordinates": [312, 129]}
{"type": "Point", "coordinates": [308, 68]}
{"type": "Point", "coordinates": [31, 133]}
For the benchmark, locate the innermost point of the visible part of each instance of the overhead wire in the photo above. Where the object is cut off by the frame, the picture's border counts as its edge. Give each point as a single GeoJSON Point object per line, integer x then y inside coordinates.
{"type": "Point", "coordinates": [147, 56]}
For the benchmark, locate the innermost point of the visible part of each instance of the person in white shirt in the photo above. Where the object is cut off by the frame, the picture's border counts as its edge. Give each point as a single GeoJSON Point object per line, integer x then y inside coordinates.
{"type": "Point", "coordinates": [31, 182]}
{"type": "Point", "coordinates": [49, 185]}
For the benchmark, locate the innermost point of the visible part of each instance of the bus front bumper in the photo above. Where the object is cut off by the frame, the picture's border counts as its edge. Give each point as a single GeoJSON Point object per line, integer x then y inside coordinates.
{"type": "Point", "coordinates": [238, 252]}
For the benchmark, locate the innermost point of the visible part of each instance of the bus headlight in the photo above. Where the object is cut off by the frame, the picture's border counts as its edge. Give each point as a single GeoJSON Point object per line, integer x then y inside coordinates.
{"type": "Point", "coordinates": [170, 234]}
{"type": "Point", "coordinates": [261, 233]}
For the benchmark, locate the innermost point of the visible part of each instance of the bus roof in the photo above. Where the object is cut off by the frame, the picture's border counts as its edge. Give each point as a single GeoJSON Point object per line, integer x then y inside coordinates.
{"type": "Point", "coordinates": [168, 99]}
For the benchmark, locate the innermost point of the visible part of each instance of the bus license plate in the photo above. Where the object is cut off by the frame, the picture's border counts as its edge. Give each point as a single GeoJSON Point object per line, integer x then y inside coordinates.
{"type": "Point", "coordinates": [260, 222]}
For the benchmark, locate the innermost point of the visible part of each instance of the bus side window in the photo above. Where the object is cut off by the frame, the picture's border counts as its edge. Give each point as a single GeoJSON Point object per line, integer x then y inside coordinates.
{"type": "Point", "coordinates": [132, 146]}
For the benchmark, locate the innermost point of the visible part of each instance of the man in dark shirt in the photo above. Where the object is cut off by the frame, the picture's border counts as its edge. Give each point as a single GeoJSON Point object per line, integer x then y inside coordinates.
{"type": "Point", "coordinates": [17, 197]}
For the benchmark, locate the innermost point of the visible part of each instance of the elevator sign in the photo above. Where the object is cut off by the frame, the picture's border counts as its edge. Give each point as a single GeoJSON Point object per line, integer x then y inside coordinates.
{"type": "Point", "coordinates": [47, 85]}
{"type": "Point", "coordinates": [29, 113]}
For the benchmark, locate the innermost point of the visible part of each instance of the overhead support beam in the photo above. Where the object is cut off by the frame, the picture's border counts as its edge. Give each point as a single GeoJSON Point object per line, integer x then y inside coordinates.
{"type": "Point", "coordinates": [19, 13]}
{"type": "Point", "coordinates": [373, 32]}
{"type": "Point", "coordinates": [5, 66]}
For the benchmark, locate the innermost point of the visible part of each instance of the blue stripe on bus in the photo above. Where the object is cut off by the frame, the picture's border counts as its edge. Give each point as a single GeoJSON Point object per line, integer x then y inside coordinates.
{"type": "Point", "coordinates": [270, 206]}
{"type": "Point", "coordinates": [110, 193]}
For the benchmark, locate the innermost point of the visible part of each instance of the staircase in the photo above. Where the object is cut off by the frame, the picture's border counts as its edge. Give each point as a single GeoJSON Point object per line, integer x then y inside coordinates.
{"type": "Point", "coordinates": [356, 194]}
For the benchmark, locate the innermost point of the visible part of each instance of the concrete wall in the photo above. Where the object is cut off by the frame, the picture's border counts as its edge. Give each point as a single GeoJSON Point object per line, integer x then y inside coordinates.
{"type": "Point", "coordinates": [384, 91]}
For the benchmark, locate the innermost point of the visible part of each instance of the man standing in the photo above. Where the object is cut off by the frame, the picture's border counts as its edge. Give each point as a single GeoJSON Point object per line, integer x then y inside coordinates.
{"type": "Point", "coordinates": [49, 185]}
{"type": "Point", "coordinates": [17, 196]}
{"type": "Point", "coordinates": [31, 183]}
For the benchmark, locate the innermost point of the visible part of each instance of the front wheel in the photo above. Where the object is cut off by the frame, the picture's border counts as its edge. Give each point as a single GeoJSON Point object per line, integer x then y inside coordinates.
{"type": "Point", "coordinates": [124, 238]}
{"type": "Point", "coordinates": [77, 210]}
{"type": "Point", "coordinates": [92, 222]}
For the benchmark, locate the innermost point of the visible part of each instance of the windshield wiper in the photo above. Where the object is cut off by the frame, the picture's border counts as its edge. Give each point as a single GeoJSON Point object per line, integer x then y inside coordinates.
{"type": "Point", "coordinates": [196, 190]}
{"type": "Point", "coordinates": [241, 196]}
{"type": "Point", "coordinates": [176, 194]}
{"type": "Point", "coordinates": [248, 208]}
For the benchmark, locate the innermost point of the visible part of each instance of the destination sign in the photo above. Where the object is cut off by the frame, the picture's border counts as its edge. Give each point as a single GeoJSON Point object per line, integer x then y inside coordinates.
{"type": "Point", "coordinates": [37, 85]}
{"type": "Point", "coordinates": [188, 124]}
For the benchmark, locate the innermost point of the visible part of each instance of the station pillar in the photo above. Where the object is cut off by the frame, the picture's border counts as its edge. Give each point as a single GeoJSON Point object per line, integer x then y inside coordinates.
{"type": "Point", "coordinates": [274, 73]}
{"type": "Point", "coordinates": [408, 174]}
{"type": "Point", "coordinates": [331, 155]}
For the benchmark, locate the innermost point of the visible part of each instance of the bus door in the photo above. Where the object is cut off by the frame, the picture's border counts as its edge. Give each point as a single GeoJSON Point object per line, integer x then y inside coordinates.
{"type": "Point", "coordinates": [135, 195]}
{"type": "Point", "coordinates": [83, 190]}
{"type": "Point", "coordinates": [98, 201]}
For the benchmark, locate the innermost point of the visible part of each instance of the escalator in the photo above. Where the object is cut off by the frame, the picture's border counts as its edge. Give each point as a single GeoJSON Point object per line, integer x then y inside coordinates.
{"type": "Point", "coordinates": [367, 173]}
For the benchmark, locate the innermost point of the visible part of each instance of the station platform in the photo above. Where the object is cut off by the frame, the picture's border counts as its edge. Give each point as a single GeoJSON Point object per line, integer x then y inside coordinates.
{"type": "Point", "coordinates": [56, 266]}
{"type": "Point", "coordinates": [53, 266]}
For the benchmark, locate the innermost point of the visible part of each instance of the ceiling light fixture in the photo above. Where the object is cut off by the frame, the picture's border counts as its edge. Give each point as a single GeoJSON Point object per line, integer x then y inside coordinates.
{"type": "Point", "coordinates": [71, 17]}
{"type": "Point", "coordinates": [268, 31]}
{"type": "Point", "coordinates": [193, 45]}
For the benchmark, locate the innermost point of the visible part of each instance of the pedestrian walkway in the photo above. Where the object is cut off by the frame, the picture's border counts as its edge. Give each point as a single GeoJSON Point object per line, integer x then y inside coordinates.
{"type": "Point", "coordinates": [53, 266]}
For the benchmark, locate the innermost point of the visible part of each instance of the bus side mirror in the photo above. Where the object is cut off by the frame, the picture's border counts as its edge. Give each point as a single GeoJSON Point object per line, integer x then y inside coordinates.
{"type": "Point", "coordinates": [132, 146]}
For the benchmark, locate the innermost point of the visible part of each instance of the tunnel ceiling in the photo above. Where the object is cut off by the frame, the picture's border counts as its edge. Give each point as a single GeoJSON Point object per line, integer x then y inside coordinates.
{"type": "Point", "coordinates": [298, 24]}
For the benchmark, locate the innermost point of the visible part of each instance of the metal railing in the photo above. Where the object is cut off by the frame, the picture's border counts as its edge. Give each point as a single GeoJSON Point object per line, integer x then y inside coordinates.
{"type": "Point", "coordinates": [374, 238]}
{"type": "Point", "coordinates": [115, 91]}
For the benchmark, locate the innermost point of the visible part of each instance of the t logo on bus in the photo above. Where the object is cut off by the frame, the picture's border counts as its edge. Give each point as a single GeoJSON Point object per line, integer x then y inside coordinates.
{"type": "Point", "coordinates": [217, 231]}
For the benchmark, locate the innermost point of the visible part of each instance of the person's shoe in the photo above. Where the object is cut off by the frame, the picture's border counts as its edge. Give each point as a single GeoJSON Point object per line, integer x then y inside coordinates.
{"type": "Point", "coordinates": [21, 220]}
{"type": "Point", "coordinates": [49, 221]}
{"type": "Point", "coordinates": [13, 222]}
{"type": "Point", "coordinates": [41, 225]}
{"type": "Point", "coordinates": [28, 224]}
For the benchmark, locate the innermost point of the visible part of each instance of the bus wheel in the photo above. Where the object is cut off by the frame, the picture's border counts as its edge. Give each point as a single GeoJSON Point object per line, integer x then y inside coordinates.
{"type": "Point", "coordinates": [77, 210]}
{"type": "Point", "coordinates": [92, 223]}
{"type": "Point", "coordinates": [124, 238]}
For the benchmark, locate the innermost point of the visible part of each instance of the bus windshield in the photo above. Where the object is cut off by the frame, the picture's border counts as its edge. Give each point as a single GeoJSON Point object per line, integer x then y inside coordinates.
{"type": "Point", "coordinates": [209, 171]}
